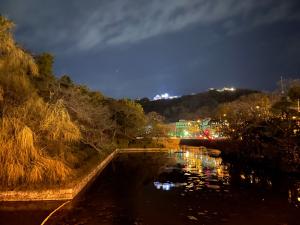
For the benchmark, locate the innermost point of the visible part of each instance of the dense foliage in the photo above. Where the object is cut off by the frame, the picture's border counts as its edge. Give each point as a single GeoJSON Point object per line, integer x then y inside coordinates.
{"type": "Point", "coordinates": [267, 125]}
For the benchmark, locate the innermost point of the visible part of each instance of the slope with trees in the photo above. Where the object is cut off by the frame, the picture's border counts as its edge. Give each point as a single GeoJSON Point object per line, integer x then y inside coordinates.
{"type": "Point", "coordinates": [267, 126]}
{"type": "Point", "coordinates": [192, 106]}
{"type": "Point", "coordinates": [52, 129]}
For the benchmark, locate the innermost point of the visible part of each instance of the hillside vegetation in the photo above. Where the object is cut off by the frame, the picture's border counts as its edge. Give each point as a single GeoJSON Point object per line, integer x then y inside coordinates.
{"type": "Point", "coordinates": [51, 128]}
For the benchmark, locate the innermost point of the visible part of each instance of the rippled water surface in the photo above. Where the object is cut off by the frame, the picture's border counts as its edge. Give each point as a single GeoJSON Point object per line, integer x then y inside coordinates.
{"type": "Point", "coordinates": [183, 187]}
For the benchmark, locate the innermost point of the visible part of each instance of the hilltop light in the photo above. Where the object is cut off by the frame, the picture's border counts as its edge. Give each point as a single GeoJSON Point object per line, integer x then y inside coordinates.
{"type": "Point", "coordinates": [226, 89]}
{"type": "Point", "coordinates": [223, 89]}
{"type": "Point", "coordinates": [164, 96]}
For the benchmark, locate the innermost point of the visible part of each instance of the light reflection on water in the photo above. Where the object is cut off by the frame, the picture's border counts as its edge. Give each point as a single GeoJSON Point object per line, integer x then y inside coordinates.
{"type": "Point", "coordinates": [193, 169]}
{"type": "Point", "coordinates": [294, 194]}
{"type": "Point", "coordinates": [196, 168]}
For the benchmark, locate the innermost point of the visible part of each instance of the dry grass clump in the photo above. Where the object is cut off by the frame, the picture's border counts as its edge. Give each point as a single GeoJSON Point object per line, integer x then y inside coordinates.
{"type": "Point", "coordinates": [21, 161]}
{"type": "Point", "coordinates": [71, 158]}
{"type": "Point", "coordinates": [56, 170]}
{"type": "Point", "coordinates": [48, 171]}
{"type": "Point", "coordinates": [16, 66]}
{"type": "Point", "coordinates": [13, 59]}
{"type": "Point", "coordinates": [24, 154]}
{"type": "Point", "coordinates": [14, 133]}
{"type": "Point", "coordinates": [36, 173]}
{"type": "Point", "coordinates": [1, 94]}
{"type": "Point", "coordinates": [29, 127]}
{"type": "Point", "coordinates": [57, 124]}
{"type": "Point", "coordinates": [16, 89]}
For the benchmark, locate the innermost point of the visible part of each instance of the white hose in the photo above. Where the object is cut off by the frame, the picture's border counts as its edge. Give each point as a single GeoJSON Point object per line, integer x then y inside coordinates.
{"type": "Point", "coordinates": [46, 219]}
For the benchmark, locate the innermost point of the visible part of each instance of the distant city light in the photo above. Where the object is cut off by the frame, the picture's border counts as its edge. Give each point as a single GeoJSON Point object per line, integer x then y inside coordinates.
{"type": "Point", "coordinates": [164, 96]}
{"type": "Point", "coordinates": [167, 96]}
{"type": "Point", "coordinates": [185, 133]}
{"type": "Point", "coordinates": [223, 89]}
{"type": "Point", "coordinates": [187, 153]}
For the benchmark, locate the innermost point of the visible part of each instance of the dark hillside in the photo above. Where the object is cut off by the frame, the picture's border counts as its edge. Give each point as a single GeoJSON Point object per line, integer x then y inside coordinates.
{"type": "Point", "coordinates": [192, 106]}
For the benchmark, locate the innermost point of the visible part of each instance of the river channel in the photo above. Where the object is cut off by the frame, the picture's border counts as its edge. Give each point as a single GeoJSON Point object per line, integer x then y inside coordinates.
{"type": "Point", "coordinates": [174, 188]}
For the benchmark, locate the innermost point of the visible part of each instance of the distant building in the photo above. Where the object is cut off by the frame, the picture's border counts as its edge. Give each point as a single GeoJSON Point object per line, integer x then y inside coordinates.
{"type": "Point", "coordinates": [203, 128]}
{"type": "Point", "coordinates": [187, 128]}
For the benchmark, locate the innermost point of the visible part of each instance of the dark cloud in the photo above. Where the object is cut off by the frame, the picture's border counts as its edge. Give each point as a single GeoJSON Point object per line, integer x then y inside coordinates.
{"type": "Point", "coordinates": [93, 24]}
{"type": "Point", "coordinates": [135, 48]}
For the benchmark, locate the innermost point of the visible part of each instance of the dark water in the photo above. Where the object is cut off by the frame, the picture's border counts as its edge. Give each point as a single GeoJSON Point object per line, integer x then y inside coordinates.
{"type": "Point", "coordinates": [178, 188]}
{"type": "Point", "coordinates": [25, 213]}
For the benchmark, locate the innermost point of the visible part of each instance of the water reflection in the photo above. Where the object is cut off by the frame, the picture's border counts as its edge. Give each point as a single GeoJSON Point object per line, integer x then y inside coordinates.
{"type": "Point", "coordinates": [183, 187]}
{"type": "Point", "coordinates": [193, 169]}
{"type": "Point", "coordinates": [294, 193]}
{"type": "Point", "coordinates": [164, 186]}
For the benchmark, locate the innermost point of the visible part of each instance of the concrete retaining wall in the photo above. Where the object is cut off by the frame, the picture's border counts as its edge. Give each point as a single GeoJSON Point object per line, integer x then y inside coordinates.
{"type": "Point", "coordinates": [133, 150]}
{"type": "Point", "coordinates": [69, 193]}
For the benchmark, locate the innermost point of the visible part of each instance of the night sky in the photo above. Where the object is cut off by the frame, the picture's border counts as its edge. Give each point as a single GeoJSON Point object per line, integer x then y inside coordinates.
{"type": "Point", "coordinates": [140, 48]}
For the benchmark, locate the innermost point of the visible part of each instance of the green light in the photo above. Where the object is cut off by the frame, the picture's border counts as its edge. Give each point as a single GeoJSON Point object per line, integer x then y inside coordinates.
{"type": "Point", "coordinates": [185, 133]}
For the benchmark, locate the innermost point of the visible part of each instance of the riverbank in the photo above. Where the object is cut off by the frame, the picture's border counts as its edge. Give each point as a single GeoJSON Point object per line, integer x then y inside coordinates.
{"type": "Point", "coordinates": [57, 193]}
{"type": "Point", "coordinates": [269, 157]}
{"type": "Point", "coordinates": [73, 188]}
